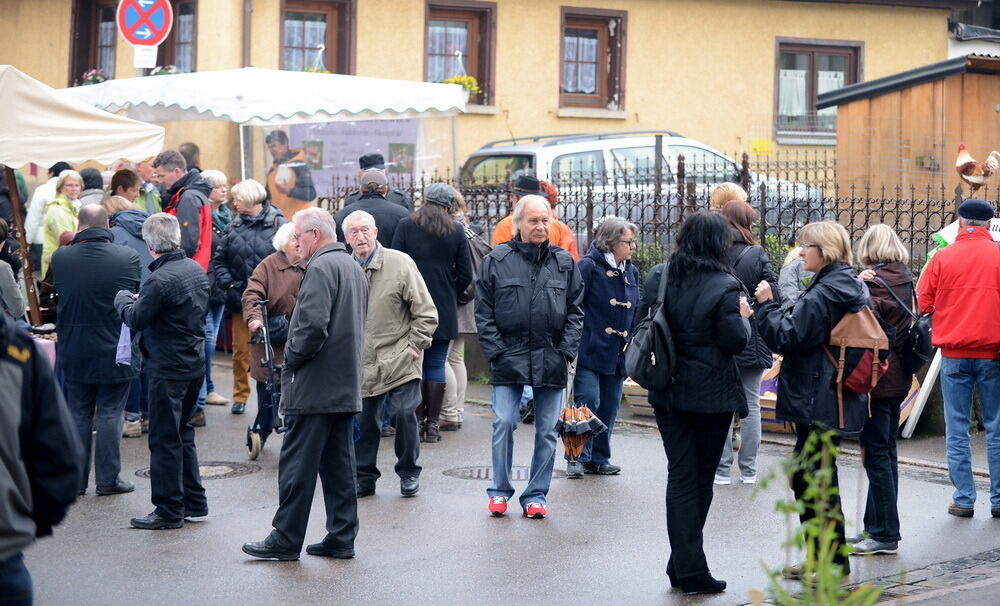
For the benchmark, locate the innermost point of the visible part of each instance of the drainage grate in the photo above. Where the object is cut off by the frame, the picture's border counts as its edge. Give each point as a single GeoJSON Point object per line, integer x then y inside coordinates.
{"type": "Point", "coordinates": [518, 473]}
{"type": "Point", "coordinates": [216, 470]}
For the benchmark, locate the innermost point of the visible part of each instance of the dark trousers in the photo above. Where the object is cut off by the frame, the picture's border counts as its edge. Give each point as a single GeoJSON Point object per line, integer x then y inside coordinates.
{"type": "Point", "coordinates": [691, 441]}
{"type": "Point", "coordinates": [266, 412]}
{"type": "Point", "coordinates": [101, 404]}
{"type": "Point", "coordinates": [833, 507]}
{"type": "Point", "coordinates": [878, 441]}
{"type": "Point", "coordinates": [15, 582]}
{"type": "Point", "coordinates": [405, 399]}
{"type": "Point", "coordinates": [320, 444]}
{"type": "Point", "coordinates": [173, 459]}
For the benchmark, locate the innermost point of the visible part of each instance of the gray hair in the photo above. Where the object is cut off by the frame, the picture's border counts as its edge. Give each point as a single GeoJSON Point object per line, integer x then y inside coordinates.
{"type": "Point", "coordinates": [962, 221]}
{"type": "Point", "coordinates": [358, 216]}
{"type": "Point", "coordinates": [281, 237]}
{"type": "Point", "coordinates": [215, 178]}
{"type": "Point", "coordinates": [522, 204]}
{"type": "Point", "coordinates": [610, 232]}
{"type": "Point", "coordinates": [162, 233]}
{"type": "Point", "coordinates": [318, 219]}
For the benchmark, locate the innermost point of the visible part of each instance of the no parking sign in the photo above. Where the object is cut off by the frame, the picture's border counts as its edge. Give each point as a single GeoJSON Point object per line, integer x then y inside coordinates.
{"type": "Point", "coordinates": [145, 24]}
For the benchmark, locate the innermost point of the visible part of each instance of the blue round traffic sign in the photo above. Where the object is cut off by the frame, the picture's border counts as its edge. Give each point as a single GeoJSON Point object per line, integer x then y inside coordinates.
{"type": "Point", "coordinates": [145, 22]}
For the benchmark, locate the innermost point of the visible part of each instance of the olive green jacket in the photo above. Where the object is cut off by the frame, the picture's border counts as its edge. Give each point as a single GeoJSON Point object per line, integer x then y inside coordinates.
{"type": "Point", "coordinates": [401, 316]}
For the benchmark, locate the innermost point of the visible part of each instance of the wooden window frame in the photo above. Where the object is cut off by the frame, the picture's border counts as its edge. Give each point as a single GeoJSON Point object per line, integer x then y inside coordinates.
{"type": "Point", "coordinates": [340, 39]}
{"type": "Point", "coordinates": [611, 49]}
{"type": "Point", "coordinates": [83, 41]}
{"type": "Point", "coordinates": [481, 61]}
{"type": "Point", "coordinates": [853, 50]}
{"type": "Point", "coordinates": [167, 53]}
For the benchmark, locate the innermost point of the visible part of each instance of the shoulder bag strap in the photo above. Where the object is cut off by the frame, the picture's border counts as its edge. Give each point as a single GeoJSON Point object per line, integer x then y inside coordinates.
{"type": "Point", "coordinates": [894, 296]}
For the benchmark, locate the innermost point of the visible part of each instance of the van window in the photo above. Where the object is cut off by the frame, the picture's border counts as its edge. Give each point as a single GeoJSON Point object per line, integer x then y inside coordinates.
{"type": "Point", "coordinates": [578, 167]}
{"type": "Point", "coordinates": [499, 169]}
{"type": "Point", "coordinates": [638, 165]}
{"type": "Point", "coordinates": [703, 166]}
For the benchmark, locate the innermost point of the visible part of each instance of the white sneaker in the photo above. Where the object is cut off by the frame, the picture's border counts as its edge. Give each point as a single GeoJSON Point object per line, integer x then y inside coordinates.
{"type": "Point", "coordinates": [132, 429]}
{"type": "Point", "coordinates": [750, 480]}
{"type": "Point", "coordinates": [723, 480]}
{"type": "Point", "coordinates": [216, 399]}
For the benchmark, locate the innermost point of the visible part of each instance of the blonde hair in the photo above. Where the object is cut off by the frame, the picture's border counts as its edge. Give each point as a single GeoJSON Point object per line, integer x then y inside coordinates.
{"type": "Point", "coordinates": [791, 256]}
{"type": "Point", "coordinates": [249, 192]}
{"type": "Point", "coordinates": [66, 175]}
{"type": "Point", "coordinates": [215, 178]}
{"type": "Point", "coordinates": [114, 204]}
{"type": "Point", "coordinates": [724, 193]}
{"type": "Point", "coordinates": [832, 239]}
{"type": "Point", "coordinates": [880, 244]}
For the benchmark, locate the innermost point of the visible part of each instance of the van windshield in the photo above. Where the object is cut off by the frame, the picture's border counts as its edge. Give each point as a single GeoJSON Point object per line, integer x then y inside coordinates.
{"type": "Point", "coordinates": [497, 169]}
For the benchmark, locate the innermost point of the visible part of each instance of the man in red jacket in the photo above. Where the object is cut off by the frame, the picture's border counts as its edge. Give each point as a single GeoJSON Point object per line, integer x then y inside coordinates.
{"type": "Point", "coordinates": [961, 287]}
{"type": "Point", "coordinates": [186, 198]}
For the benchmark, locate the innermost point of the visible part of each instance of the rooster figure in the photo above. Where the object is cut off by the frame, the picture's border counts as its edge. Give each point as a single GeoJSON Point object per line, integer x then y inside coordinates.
{"type": "Point", "coordinates": [975, 173]}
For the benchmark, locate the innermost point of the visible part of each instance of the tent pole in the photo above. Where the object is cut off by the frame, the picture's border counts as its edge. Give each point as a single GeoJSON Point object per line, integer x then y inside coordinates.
{"type": "Point", "coordinates": [454, 149]}
{"type": "Point", "coordinates": [28, 269]}
{"type": "Point", "coordinates": [243, 156]}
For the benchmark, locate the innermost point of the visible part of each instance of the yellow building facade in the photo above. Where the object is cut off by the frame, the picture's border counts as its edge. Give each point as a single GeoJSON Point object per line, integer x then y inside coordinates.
{"type": "Point", "coordinates": [716, 71]}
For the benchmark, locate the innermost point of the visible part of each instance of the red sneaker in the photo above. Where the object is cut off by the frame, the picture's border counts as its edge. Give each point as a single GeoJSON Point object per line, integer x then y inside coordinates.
{"type": "Point", "coordinates": [498, 506]}
{"type": "Point", "coordinates": [536, 511]}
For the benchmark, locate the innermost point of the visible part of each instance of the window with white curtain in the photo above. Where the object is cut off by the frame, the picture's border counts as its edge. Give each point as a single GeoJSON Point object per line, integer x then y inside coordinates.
{"type": "Point", "coordinates": [460, 42]}
{"type": "Point", "coordinates": [107, 36]}
{"type": "Point", "coordinates": [179, 49]}
{"type": "Point", "coordinates": [806, 71]}
{"type": "Point", "coordinates": [316, 36]}
{"type": "Point", "coordinates": [592, 65]}
{"type": "Point", "coordinates": [305, 41]}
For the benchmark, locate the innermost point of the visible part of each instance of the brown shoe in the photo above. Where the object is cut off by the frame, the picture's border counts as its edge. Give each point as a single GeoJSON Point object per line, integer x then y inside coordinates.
{"type": "Point", "coordinates": [962, 512]}
{"type": "Point", "coordinates": [450, 425]}
{"type": "Point", "coordinates": [197, 419]}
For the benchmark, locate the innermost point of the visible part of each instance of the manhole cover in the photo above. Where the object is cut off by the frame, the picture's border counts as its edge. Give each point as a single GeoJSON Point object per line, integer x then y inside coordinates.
{"type": "Point", "coordinates": [216, 470]}
{"type": "Point", "coordinates": [518, 473]}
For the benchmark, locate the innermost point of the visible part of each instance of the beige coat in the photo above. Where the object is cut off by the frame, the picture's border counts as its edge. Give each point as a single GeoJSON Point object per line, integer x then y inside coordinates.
{"type": "Point", "coordinates": [401, 316]}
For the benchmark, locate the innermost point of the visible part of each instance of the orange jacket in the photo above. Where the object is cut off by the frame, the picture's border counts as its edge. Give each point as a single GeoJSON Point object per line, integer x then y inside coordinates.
{"type": "Point", "coordinates": [559, 235]}
{"type": "Point", "coordinates": [301, 192]}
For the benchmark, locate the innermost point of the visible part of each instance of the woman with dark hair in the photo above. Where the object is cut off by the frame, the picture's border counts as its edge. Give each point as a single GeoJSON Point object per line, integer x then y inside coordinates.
{"type": "Point", "coordinates": [751, 264]}
{"type": "Point", "coordinates": [708, 320]}
{"type": "Point", "coordinates": [11, 301]}
{"type": "Point", "coordinates": [807, 384]}
{"type": "Point", "coordinates": [437, 244]}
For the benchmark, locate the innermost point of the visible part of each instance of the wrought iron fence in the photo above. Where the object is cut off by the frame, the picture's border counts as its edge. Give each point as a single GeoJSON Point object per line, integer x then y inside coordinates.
{"type": "Point", "coordinates": [657, 199]}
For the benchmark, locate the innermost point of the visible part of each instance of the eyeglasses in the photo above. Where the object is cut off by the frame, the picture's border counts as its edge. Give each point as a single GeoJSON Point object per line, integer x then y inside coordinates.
{"type": "Point", "coordinates": [808, 245]}
{"type": "Point", "coordinates": [298, 236]}
{"type": "Point", "coordinates": [365, 229]}
{"type": "Point", "coordinates": [629, 243]}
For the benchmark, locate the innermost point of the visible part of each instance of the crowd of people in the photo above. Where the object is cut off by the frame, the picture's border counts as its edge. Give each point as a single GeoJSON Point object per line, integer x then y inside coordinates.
{"type": "Point", "coordinates": [366, 314]}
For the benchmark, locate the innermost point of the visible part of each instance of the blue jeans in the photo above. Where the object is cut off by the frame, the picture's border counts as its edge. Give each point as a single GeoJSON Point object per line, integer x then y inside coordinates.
{"type": "Point", "coordinates": [15, 582]}
{"type": "Point", "coordinates": [602, 394]}
{"type": "Point", "coordinates": [137, 406]}
{"type": "Point", "coordinates": [213, 320]}
{"type": "Point", "coordinates": [435, 359]}
{"type": "Point", "coordinates": [958, 376]}
{"type": "Point", "coordinates": [506, 410]}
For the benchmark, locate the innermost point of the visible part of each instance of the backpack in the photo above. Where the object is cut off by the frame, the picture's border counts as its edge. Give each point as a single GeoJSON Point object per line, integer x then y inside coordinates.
{"type": "Point", "coordinates": [862, 354]}
{"type": "Point", "coordinates": [650, 357]}
{"type": "Point", "coordinates": [915, 347]}
{"type": "Point", "coordinates": [478, 249]}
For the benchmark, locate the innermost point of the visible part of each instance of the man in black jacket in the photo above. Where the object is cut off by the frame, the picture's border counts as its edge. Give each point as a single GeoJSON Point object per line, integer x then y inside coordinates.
{"type": "Point", "coordinates": [169, 314]}
{"type": "Point", "coordinates": [373, 201]}
{"type": "Point", "coordinates": [40, 456]}
{"type": "Point", "coordinates": [87, 276]}
{"type": "Point", "coordinates": [393, 194]}
{"type": "Point", "coordinates": [530, 318]}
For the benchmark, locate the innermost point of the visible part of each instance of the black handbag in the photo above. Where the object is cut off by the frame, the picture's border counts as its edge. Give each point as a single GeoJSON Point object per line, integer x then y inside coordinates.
{"type": "Point", "coordinates": [277, 329]}
{"type": "Point", "coordinates": [915, 347]}
{"type": "Point", "coordinates": [650, 357]}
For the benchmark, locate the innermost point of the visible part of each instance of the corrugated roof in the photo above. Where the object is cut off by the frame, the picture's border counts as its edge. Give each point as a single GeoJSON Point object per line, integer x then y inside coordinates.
{"type": "Point", "coordinates": [972, 63]}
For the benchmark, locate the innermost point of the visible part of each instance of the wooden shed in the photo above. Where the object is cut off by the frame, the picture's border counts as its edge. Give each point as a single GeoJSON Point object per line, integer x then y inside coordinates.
{"type": "Point", "coordinates": [904, 129]}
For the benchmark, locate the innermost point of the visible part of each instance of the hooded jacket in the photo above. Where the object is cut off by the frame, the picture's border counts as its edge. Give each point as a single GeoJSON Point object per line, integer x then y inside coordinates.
{"type": "Point", "coordinates": [40, 451]}
{"type": "Point", "coordinates": [609, 303]}
{"type": "Point", "coordinates": [807, 382]}
{"type": "Point", "coordinates": [243, 246]}
{"type": "Point", "coordinates": [126, 227]}
{"type": "Point", "coordinates": [187, 199]}
{"type": "Point", "coordinates": [301, 191]}
{"type": "Point", "coordinates": [529, 314]}
{"type": "Point", "coordinates": [895, 383]}
{"type": "Point", "coordinates": [86, 320]}
{"type": "Point", "coordinates": [961, 286]}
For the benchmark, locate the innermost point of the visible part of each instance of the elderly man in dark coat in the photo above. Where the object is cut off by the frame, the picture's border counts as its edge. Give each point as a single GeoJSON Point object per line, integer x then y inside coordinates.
{"type": "Point", "coordinates": [169, 314]}
{"type": "Point", "coordinates": [87, 276]}
{"type": "Point", "coordinates": [529, 314]}
{"type": "Point", "coordinates": [321, 393]}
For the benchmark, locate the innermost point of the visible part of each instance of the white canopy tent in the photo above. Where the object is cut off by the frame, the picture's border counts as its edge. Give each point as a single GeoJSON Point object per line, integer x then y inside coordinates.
{"type": "Point", "coordinates": [252, 96]}
{"type": "Point", "coordinates": [40, 125]}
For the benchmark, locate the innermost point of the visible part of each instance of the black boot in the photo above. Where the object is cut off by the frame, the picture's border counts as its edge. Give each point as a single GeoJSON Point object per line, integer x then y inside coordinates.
{"type": "Point", "coordinates": [703, 583]}
{"type": "Point", "coordinates": [435, 399]}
